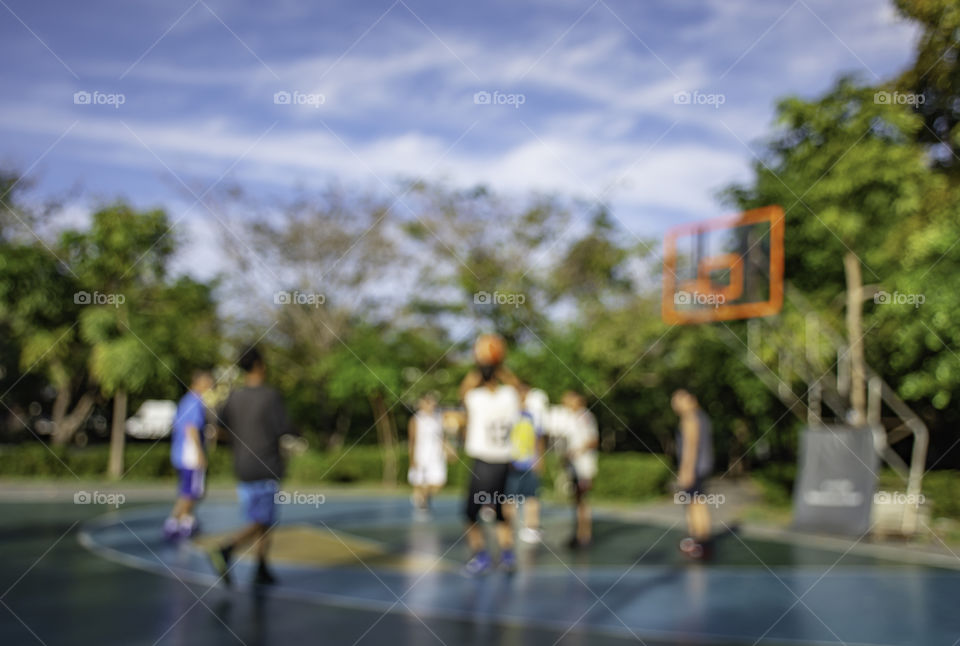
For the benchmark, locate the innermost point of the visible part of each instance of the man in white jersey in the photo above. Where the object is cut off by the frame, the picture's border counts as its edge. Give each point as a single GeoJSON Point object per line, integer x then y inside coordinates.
{"type": "Point", "coordinates": [428, 453]}
{"type": "Point", "coordinates": [493, 406]}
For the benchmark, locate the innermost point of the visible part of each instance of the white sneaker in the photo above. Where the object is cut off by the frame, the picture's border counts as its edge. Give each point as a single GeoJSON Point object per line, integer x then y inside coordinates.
{"type": "Point", "coordinates": [530, 535]}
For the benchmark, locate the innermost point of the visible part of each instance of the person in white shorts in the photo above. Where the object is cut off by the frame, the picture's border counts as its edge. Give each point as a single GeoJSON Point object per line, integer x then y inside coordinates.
{"type": "Point", "coordinates": [577, 426]}
{"type": "Point", "coordinates": [428, 452]}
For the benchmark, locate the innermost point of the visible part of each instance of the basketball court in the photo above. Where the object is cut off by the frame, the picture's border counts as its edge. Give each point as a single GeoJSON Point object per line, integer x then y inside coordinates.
{"type": "Point", "coordinates": [366, 571]}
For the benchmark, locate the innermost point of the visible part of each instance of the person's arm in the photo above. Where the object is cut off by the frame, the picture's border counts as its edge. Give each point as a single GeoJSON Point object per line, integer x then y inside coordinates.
{"type": "Point", "coordinates": [690, 437]}
{"type": "Point", "coordinates": [412, 441]}
{"type": "Point", "coordinates": [541, 453]}
{"type": "Point", "coordinates": [193, 435]}
{"type": "Point", "coordinates": [470, 381]}
{"type": "Point", "coordinates": [506, 375]}
{"type": "Point", "coordinates": [282, 422]}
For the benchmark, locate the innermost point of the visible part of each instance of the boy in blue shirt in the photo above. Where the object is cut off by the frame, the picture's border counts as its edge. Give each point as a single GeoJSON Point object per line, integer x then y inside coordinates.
{"type": "Point", "coordinates": [188, 456]}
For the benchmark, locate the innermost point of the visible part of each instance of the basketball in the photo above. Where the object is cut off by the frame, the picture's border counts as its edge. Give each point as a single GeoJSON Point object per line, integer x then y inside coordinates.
{"type": "Point", "coordinates": [489, 349]}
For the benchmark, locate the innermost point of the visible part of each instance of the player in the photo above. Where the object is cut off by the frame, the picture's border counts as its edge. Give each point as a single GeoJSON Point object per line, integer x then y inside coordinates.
{"type": "Point", "coordinates": [255, 418]}
{"type": "Point", "coordinates": [695, 459]}
{"type": "Point", "coordinates": [493, 406]}
{"type": "Point", "coordinates": [578, 428]}
{"type": "Point", "coordinates": [428, 453]}
{"type": "Point", "coordinates": [523, 479]}
{"type": "Point", "coordinates": [188, 456]}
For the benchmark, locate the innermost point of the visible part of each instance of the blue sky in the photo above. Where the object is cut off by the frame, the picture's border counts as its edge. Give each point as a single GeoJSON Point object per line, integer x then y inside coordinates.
{"type": "Point", "coordinates": [391, 93]}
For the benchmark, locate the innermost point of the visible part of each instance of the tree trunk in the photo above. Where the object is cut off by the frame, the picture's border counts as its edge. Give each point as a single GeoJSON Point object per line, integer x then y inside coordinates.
{"type": "Point", "coordinates": [65, 425]}
{"type": "Point", "coordinates": [858, 382]}
{"type": "Point", "coordinates": [385, 437]}
{"type": "Point", "coordinates": [117, 436]}
{"type": "Point", "coordinates": [341, 428]}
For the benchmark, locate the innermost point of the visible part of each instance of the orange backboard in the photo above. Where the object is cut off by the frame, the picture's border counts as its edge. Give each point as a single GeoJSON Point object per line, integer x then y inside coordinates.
{"type": "Point", "coordinates": [732, 268]}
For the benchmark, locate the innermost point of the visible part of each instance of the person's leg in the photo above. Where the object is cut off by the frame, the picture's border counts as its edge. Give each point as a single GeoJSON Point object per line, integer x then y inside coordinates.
{"type": "Point", "coordinates": [187, 508]}
{"type": "Point", "coordinates": [419, 498]}
{"type": "Point", "coordinates": [246, 535]}
{"type": "Point", "coordinates": [698, 521]}
{"type": "Point", "coordinates": [476, 497]}
{"type": "Point", "coordinates": [179, 507]}
{"type": "Point", "coordinates": [257, 502]}
{"type": "Point", "coordinates": [584, 521]}
{"type": "Point", "coordinates": [510, 505]}
{"type": "Point", "coordinates": [475, 538]}
{"type": "Point", "coordinates": [531, 513]}
{"type": "Point", "coordinates": [505, 535]}
{"type": "Point", "coordinates": [510, 511]}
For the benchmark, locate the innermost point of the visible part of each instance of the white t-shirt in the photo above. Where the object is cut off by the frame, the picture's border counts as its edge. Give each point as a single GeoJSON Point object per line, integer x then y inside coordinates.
{"type": "Point", "coordinates": [537, 404]}
{"type": "Point", "coordinates": [491, 415]}
{"type": "Point", "coordinates": [578, 429]}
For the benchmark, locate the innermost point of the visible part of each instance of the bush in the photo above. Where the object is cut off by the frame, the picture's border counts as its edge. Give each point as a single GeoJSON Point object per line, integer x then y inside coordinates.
{"type": "Point", "coordinates": [142, 461]}
{"type": "Point", "coordinates": [623, 476]}
{"type": "Point", "coordinates": [776, 482]}
{"type": "Point", "coordinates": [942, 490]}
{"type": "Point", "coordinates": [632, 476]}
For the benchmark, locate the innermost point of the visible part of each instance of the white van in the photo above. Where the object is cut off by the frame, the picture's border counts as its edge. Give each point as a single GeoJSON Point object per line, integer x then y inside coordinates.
{"type": "Point", "coordinates": [153, 420]}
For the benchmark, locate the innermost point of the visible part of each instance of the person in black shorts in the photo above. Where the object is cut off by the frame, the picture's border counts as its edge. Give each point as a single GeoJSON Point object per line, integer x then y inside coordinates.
{"type": "Point", "coordinates": [493, 406]}
{"type": "Point", "coordinates": [695, 460]}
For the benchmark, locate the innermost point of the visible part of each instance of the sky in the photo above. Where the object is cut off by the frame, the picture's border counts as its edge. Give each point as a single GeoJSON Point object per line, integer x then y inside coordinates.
{"type": "Point", "coordinates": [648, 106]}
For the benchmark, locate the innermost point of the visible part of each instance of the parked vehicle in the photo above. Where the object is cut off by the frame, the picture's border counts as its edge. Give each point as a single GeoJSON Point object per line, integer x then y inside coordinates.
{"type": "Point", "coordinates": [153, 420]}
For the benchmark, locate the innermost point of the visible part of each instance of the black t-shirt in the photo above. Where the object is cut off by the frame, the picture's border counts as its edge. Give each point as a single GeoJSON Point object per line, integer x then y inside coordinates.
{"type": "Point", "coordinates": [255, 418]}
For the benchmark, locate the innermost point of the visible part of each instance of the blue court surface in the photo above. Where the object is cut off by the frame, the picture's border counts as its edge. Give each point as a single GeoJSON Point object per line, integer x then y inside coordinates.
{"type": "Point", "coordinates": [363, 570]}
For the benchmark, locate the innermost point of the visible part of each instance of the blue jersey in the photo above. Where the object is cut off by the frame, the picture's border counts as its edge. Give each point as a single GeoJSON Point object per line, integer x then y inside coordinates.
{"type": "Point", "coordinates": [190, 412]}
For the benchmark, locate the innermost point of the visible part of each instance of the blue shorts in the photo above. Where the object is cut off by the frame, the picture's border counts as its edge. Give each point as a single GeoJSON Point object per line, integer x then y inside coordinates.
{"type": "Point", "coordinates": [191, 483]}
{"type": "Point", "coordinates": [257, 500]}
{"type": "Point", "coordinates": [522, 482]}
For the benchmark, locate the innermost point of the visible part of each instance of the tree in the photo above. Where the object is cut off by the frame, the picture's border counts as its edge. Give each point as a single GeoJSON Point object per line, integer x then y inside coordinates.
{"type": "Point", "coordinates": [849, 173]}
{"type": "Point", "coordinates": [932, 83]}
{"type": "Point", "coordinates": [141, 328]}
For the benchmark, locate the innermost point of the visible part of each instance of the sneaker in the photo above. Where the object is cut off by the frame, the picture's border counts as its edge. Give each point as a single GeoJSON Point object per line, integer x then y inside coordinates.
{"type": "Point", "coordinates": [687, 545]}
{"type": "Point", "coordinates": [508, 561]}
{"type": "Point", "coordinates": [478, 565]}
{"type": "Point", "coordinates": [264, 576]}
{"type": "Point", "coordinates": [695, 550]}
{"type": "Point", "coordinates": [188, 527]}
{"type": "Point", "coordinates": [576, 544]}
{"type": "Point", "coordinates": [171, 529]}
{"type": "Point", "coordinates": [220, 560]}
{"type": "Point", "coordinates": [530, 535]}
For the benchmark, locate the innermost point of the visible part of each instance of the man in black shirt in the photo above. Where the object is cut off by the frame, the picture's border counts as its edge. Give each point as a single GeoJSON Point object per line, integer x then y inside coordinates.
{"type": "Point", "coordinates": [255, 418]}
